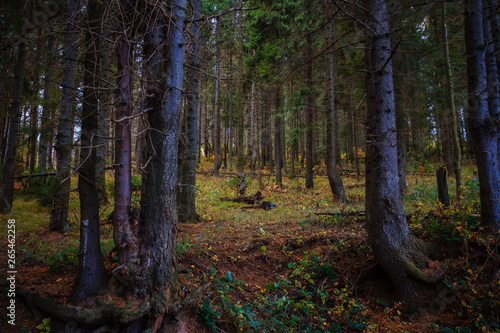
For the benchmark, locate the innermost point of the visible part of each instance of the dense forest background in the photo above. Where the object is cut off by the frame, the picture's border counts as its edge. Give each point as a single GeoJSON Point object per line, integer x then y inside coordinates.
{"type": "Point", "coordinates": [135, 126]}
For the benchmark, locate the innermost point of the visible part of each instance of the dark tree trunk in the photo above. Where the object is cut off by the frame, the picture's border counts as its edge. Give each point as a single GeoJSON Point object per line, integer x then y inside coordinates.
{"type": "Point", "coordinates": [277, 137]}
{"type": "Point", "coordinates": [308, 110]}
{"type": "Point", "coordinates": [491, 66]}
{"type": "Point", "coordinates": [241, 111]}
{"type": "Point", "coordinates": [9, 161]}
{"type": "Point", "coordinates": [158, 219]}
{"type": "Point", "coordinates": [217, 152]}
{"type": "Point", "coordinates": [396, 250]}
{"type": "Point", "coordinates": [230, 118]}
{"type": "Point", "coordinates": [125, 240]}
{"type": "Point", "coordinates": [103, 121]}
{"type": "Point", "coordinates": [91, 277]}
{"type": "Point", "coordinates": [483, 125]}
{"type": "Point", "coordinates": [34, 136]}
{"type": "Point", "coordinates": [45, 126]}
{"type": "Point", "coordinates": [64, 140]}
{"type": "Point", "coordinates": [334, 179]}
{"type": "Point", "coordinates": [442, 183]}
{"type": "Point", "coordinates": [457, 154]}
{"type": "Point", "coordinates": [187, 191]}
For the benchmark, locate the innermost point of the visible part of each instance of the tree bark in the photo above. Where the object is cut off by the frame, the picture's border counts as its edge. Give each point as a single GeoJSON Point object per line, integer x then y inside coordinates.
{"type": "Point", "coordinates": [334, 179]}
{"type": "Point", "coordinates": [483, 125]}
{"type": "Point", "coordinates": [104, 121]}
{"type": "Point", "coordinates": [9, 161]}
{"type": "Point", "coordinates": [188, 151]}
{"type": "Point", "coordinates": [308, 110]}
{"type": "Point", "coordinates": [217, 151]}
{"type": "Point", "coordinates": [158, 201]}
{"type": "Point", "coordinates": [277, 137]}
{"type": "Point", "coordinates": [64, 140]}
{"type": "Point", "coordinates": [444, 198]}
{"type": "Point", "coordinates": [396, 250]}
{"type": "Point", "coordinates": [123, 233]}
{"type": "Point", "coordinates": [91, 279]}
{"type": "Point", "coordinates": [457, 154]}
{"type": "Point", "coordinates": [241, 111]}
{"type": "Point", "coordinates": [45, 127]}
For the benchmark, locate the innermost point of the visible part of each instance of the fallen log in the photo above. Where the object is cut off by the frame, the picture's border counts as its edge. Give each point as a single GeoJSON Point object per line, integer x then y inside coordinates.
{"type": "Point", "coordinates": [263, 205]}
{"type": "Point", "coordinates": [248, 199]}
{"type": "Point", "coordinates": [360, 213]}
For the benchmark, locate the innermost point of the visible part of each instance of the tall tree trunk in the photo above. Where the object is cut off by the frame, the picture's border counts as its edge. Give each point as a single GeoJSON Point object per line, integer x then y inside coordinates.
{"type": "Point", "coordinates": [45, 131]}
{"type": "Point", "coordinates": [187, 203]}
{"type": "Point", "coordinates": [253, 131]}
{"type": "Point", "coordinates": [64, 140]}
{"type": "Point", "coordinates": [334, 179]}
{"type": "Point", "coordinates": [277, 137]}
{"type": "Point", "coordinates": [103, 121]}
{"type": "Point", "coordinates": [457, 154]}
{"type": "Point", "coordinates": [9, 161]}
{"type": "Point", "coordinates": [125, 240]}
{"type": "Point", "coordinates": [482, 125]}
{"type": "Point", "coordinates": [91, 277]}
{"type": "Point", "coordinates": [217, 151]}
{"type": "Point", "coordinates": [158, 201]}
{"type": "Point", "coordinates": [491, 66]}
{"type": "Point", "coordinates": [308, 110]}
{"type": "Point", "coordinates": [241, 112]}
{"type": "Point", "coordinates": [230, 117]}
{"type": "Point", "coordinates": [396, 249]}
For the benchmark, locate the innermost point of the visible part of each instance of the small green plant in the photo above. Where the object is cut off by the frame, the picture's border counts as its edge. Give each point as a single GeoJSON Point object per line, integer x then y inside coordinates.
{"type": "Point", "coordinates": [63, 258]}
{"type": "Point", "coordinates": [44, 326]}
{"type": "Point", "coordinates": [184, 245]}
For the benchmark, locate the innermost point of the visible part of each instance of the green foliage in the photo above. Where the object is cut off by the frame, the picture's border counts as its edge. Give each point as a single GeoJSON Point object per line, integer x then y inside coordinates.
{"type": "Point", "coordinates": [298, 303]}
{"type": "Point", "coordinates": [44, 326]}
{"type": "Point", "coordinates": [184, 245]}
{"type": "Point", "coordinates": [449, 225]}
{"type": "Point", "coordinates": [234, 182]}
{"type": "Point", "coordinates": [135, 184]}
{"type": "Point", "coordinates": [41, 188]}
{"type": "Point", "coordinates": [58, 260]}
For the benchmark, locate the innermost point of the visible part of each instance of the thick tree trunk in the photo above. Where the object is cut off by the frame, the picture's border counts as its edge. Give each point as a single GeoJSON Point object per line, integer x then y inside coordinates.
{"type": "Point", "coordinates": [64, 140]}
{"type": "Point", "coordinates": [336, 184]}
{"type": "Point", "coordinates": [396, 250]}
{"type": "Point", "coordinates": [483, 126]}
{"type": "Point", "coordinates": [9, 161]}
{"type": "Point", "coordinates": [187, 191]}
{"type": "Point", "coordinates": [457, 154]}
{"type": "Point", "coordinates": [158, 201]}
{"type": "Point", "coordinates": [91, 279]}
{"type": "Point", "coordinates": [123, 233]}
{"type": "Point", "coordinates": [491, 66]}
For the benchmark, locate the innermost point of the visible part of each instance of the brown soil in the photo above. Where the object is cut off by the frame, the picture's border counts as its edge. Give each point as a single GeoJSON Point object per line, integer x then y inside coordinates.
{"type": "Point", "coordinates": [255, 254]}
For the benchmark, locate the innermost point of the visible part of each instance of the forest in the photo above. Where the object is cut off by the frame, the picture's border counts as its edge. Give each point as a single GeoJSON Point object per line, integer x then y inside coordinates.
{"type": "Point", "coordinates": [249, 166]}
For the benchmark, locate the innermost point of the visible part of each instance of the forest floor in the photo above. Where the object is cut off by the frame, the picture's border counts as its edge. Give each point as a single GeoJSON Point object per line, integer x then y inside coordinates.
{"type": "Point", "coordinates": [287, 269]}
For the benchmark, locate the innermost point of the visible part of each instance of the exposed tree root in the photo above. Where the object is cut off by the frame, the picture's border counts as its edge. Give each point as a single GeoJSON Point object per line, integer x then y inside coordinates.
{"type": "Point", "coordinates": [429, 275]}
{"type": "Point", "coordinates": [67, 313]}
{"type": "Point", "coordinates": [105, 311]}
{"type": "Point", "coordinates": [108, 312]}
